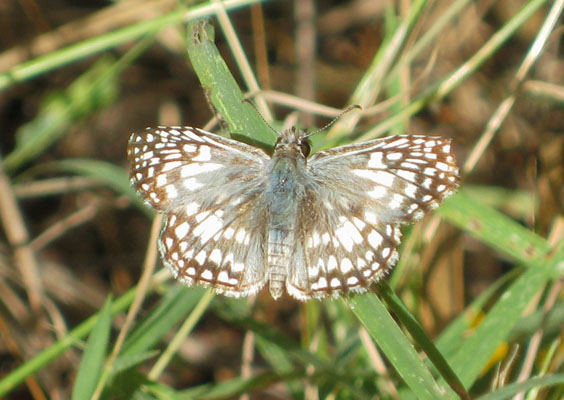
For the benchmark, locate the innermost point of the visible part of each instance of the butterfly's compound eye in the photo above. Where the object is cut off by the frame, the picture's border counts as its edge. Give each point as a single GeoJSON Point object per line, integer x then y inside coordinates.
{"type": "Point", "coordinates": [305, 147]}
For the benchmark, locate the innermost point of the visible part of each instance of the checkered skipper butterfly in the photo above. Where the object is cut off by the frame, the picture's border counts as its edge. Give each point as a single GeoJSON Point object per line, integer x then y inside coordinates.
{"type": "Point", "coordinates": [237, 218]}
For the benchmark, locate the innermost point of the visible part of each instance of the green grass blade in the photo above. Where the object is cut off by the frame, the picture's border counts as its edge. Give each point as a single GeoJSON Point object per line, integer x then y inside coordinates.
{"type": "Point", "coordinates": [449, 340]}
{"type": "Point", "coordinates": [511, 390]}
{"type": "Point", "coordinates": [222, 89]}
{"type": "Point", "coordinates": [370, 86]}
{"type": "Point", "coordinates": [421, 338]}
{"type": "Point", "coordinates": [397, 348]}
{"type": "Point", "coordinates": [237, 386]}
{"type": "Point", "coordinates": [178, 302]}
{"type": "Point", "coordinates": [18, 375]}
{"type": "Point", "coordinates": [70, 54]}
{"type": "Point", "coordinates": [447, 85]}
{"type": "Point", "coordinates": [84, 96]}
{"type": "Point", "coordinates": [92, 361]}
{"type": "Point", "coordinates": [493, 228]}
{"type": "Point", "coordinates": [112, 176]}
{"type": "Point", "coordinates": [469, 361]}
{"type": "Point", "coordinates": [525, 247]}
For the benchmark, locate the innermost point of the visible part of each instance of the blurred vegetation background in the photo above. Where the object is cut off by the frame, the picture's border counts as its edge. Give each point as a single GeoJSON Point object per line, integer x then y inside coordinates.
{"type": "Point", "coordinates": [482, 276]}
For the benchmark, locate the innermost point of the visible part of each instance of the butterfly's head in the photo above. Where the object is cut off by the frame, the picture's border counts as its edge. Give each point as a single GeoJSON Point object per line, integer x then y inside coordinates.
{"type": "Point", "coordinates": [293, 141]}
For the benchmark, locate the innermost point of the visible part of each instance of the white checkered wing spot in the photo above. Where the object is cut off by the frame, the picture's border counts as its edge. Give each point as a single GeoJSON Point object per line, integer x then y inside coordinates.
{"type": "Point", "coordinates": [208, 188]}
{"type": "Point", "coordinates": [359, 196]}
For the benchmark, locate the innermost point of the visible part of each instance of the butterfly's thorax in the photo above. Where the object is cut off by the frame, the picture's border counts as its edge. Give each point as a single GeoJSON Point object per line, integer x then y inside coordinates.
{"type": "Point", "coordinates": [285, 187]}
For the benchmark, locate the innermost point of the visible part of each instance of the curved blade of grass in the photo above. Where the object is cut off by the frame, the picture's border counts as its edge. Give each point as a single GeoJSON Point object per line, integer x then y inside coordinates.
{"type": "Point", "coordinates": [474, 353]}
{"type": "Point", "coordinates": [114, 177]}
{"type": "Point", "coordinates": [184, 330]}
{"type": "Point", "coordinates": [222, 89]}
{"type": "Point", "coordinates": [93, 358]}
{"type": "Point", "coordinates": [294, 352]}
{"type": "Point", "coordinates": [397, 348]}
{"type": "Point", "coordinates": [275, 355]}
{"type": "Point", "coordinates": [421, 338]}
{"type": "Point", "coordinates": [446, 86]}
{"type": "Point", "coordinates": [449, 340]}
{"type": "Point", "coordinates": [368, 89]}
{"type": "Point", "coordinates": [280, 363]}
{"type": "Point", "coordinates": [511, 390]}
{"type": "Point", "coordinates": [56, 59]}
{"type": "Point", "coordinates": [493, 228]}
{"type": "Point", "coordinates": [59, 111]}
{"type": "Point", "coordinates": [237, 386]}
{"type": "Point", "coordinates": [525, 247]}
{"type": "Point", "coordinates": [95, 89]}
{"type": "Point", "coordinates": [172, 309]}
{"type": "Point", "coordinates": [17, 376]}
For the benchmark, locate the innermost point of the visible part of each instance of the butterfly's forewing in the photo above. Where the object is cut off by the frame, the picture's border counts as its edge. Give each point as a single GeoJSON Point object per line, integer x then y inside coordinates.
{"type": "Point", "coordinates": [173, 166]}
{"type": "Point", "coordinates": [209, 188]}
{"type": "Point", "coordinates": [401, 177]}
{"type": "Point", "coordinates": [359, 196]}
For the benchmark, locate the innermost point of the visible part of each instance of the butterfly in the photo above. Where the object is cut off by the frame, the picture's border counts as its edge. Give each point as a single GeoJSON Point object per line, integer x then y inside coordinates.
{"type": "Point", "coordinates": [327, 224]}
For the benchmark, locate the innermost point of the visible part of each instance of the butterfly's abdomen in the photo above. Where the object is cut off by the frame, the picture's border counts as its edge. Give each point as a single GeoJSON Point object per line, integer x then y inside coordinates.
{"type": "Point", "coordinates": [280, 249]}
{"type": "Point", "coordinates": [282, 191]}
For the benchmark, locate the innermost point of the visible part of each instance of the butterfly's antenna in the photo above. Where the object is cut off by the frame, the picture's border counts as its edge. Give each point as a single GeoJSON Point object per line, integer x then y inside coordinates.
{"type": "Point", "coordinates": [346, 110]}
{"type": "Point", "coordinates": [260, 115]}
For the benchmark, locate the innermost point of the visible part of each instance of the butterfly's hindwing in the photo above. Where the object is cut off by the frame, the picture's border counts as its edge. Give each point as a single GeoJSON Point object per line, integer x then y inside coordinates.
{"type": "Point", "coordinates": [340, 251]}
{"type": "Point", "coordinates": [220, 247]}
{"type": "Point", "coordinates": [209, 188]}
